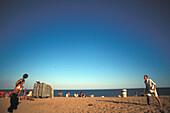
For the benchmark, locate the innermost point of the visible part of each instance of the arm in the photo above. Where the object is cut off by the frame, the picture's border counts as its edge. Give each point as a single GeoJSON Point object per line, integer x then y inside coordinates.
{"type": "Point", "coordinates": [154, 87]}
{"type": "Point", "coordinates": [153, 83]}
{"type": "Point", "coordinates": [19, 93]}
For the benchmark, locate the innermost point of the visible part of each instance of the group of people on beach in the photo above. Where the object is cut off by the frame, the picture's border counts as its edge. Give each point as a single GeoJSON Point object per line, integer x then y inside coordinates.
{"type": "Point", "coordinates": [150, 90]}
{"type": "Point", "coordinates": [60, 94]}
{"type": "Point", "coordinates": [4, 94]}
{"type": "Point", "coordinates": [81, 94]}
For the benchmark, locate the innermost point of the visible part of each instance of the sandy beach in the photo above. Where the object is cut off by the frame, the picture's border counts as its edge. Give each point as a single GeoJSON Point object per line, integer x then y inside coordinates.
{"type": "Point", "coordinates": [89, 105]}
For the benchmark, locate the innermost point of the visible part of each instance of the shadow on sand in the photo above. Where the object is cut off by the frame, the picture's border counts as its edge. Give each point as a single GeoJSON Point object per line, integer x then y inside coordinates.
{"type": "Point", "coordinates": [117, 102]}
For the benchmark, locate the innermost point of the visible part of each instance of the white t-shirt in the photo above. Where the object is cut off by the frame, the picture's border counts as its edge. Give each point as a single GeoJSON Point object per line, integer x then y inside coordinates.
{"type": "Point", "coordinates": [30, 93]}
{"type": "Point", "coordinates": [150, 88]}
{"type": "Point", "coordinates": [149, 84]}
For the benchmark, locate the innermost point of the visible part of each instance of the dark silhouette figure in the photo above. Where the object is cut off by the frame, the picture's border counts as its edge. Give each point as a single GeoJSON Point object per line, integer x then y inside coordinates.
{"type": "Point", "coordinates": [15, 94]}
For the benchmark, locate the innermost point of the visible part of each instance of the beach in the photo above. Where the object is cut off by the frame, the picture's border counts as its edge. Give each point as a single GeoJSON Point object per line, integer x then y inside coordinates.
{"type": "Point", "coordinates": [89, 105]}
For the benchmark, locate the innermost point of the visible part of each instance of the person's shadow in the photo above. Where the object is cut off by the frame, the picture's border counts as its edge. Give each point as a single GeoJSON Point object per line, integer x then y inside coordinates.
{"type": "Point", "coordinates": [117, 102]}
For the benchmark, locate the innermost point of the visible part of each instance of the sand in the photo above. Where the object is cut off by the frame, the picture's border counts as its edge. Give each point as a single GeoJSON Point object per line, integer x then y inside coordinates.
{"type": "Point", "coordinates": [89, 105]}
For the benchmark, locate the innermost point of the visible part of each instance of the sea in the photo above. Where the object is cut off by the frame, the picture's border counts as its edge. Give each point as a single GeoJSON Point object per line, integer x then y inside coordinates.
{"type": "Point", "coordinates": [103, 92]}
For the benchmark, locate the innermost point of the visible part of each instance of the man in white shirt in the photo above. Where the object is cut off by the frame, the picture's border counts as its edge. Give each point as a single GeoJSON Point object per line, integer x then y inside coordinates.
{"type": "Point", "coordinates": [151, 90]}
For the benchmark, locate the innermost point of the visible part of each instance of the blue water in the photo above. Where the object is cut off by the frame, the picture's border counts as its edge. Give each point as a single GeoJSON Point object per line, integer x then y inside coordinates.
{"type": "Point", "coordinates": [105, 92]}
{"type": "Point", "coordinates": [110, 92]}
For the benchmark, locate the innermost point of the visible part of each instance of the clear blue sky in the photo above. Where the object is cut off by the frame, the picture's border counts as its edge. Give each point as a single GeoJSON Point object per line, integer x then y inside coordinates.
{"type": "Point", "coordinates": [93, 44]}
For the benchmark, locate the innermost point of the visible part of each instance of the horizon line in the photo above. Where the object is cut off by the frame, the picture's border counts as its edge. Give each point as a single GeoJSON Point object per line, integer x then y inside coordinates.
{"type": "Point", "coordinates": [88, 88]}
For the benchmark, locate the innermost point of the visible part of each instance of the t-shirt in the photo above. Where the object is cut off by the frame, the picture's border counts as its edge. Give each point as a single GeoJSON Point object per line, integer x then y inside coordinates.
{"type": "Point", "coordinates": [30, 93]}
{"type": "Point", "coordinates": [149, 84]}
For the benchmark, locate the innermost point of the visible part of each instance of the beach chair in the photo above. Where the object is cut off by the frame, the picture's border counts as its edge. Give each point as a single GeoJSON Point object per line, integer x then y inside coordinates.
{"type": "Point", "coordinates": [42, 90]}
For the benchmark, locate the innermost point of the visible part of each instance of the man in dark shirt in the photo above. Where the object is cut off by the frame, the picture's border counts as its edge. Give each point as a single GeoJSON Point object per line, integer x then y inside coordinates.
{"type": "Point", "coordinates": [15, 94]}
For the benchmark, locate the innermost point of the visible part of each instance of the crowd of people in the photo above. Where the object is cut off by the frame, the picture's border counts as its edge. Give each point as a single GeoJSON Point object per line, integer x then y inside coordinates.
{"type": "Point", "coordinates": [4, 94]}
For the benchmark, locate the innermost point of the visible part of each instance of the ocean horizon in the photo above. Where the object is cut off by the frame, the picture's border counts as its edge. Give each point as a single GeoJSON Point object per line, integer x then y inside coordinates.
{"type": "Point", "coordinates": [102, 92]}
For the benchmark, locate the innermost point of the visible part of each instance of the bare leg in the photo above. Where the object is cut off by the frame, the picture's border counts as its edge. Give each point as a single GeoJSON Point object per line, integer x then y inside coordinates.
{"type": "Point", "coordinates": [158, 101]}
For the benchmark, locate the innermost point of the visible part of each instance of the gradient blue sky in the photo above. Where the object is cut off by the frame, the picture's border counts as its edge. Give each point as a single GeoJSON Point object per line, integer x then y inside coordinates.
{"type": "Point", "coordinates": [94, 44]}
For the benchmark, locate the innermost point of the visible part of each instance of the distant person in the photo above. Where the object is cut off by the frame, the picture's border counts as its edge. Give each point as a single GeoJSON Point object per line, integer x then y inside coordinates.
{"type": "Point", "coordinates": [76, 95]}
{"type": "Point", "coordinates": [2, 93]}
{"type": "Point", "coordinates": [118, 96]}
{"type": "Point", "coordinates": [150, 90]}
{"type": "Point", "coordinates": [9, 94]}
{"type": "Point", "coordinates": [136, 94]}
{"type": "Point", "coordinates": [59, 94]}
{"type": "Point", "coordinates": [81, 94]}
{"type": "Point", "coordinates": [29, 93]}
{"type": "Point", "coordinates": [27, 96]}
{"type": "Point", "coordinates": [68, 94]}
{"type": "Point", "coordinates": [16, 92]}
{"type": "Point", "coordinates": [141, 93]}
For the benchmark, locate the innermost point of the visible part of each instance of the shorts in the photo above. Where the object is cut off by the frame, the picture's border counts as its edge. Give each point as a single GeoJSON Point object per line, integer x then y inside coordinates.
{"type": "Point", "coordinates": [14, 102]}
{"type": "Point", "coordinates": [151, 92]}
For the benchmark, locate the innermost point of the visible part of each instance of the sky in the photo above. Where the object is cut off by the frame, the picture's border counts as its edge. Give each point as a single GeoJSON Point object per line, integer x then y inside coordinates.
{"type": "Point", "coordinates": [85, 44]}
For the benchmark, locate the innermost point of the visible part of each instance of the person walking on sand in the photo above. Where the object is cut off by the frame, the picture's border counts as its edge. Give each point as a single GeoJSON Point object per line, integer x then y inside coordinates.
{"type": "Point", "coordinates": [16, 92]}
{"type": "Point", "coordinates": [151, 90]}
